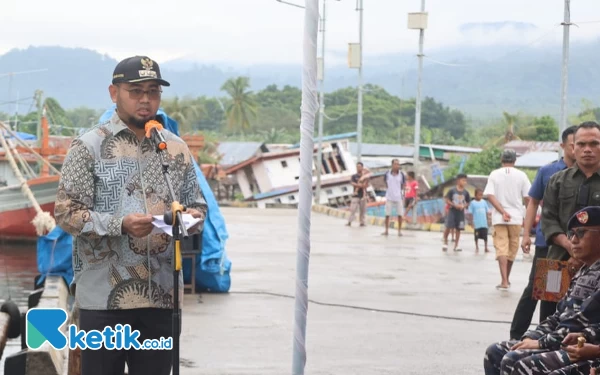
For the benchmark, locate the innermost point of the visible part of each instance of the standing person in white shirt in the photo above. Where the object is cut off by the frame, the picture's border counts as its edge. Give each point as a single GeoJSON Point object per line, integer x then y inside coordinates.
{"type": "Point", "coordinates": [507, 190]}
{"type": "Point", "coordinates": [395, 180]}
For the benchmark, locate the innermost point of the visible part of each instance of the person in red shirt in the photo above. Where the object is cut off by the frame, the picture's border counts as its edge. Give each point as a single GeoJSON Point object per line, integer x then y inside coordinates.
{"type": "Point", "coordinates": [411, 196]}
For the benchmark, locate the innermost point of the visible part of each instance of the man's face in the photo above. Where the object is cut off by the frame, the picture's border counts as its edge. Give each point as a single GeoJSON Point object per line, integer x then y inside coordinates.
{"type": "Point", "coordinates": [587, 147]}
{"type": "Point", "coordinates": [395, 165]}
{"type": "Point", "coordinates": [359, 168]}
{"type": "Point", "coordinates": [586, 249]}
{"type": "Point", "coordinates": [137, 103]}
{"type": "Point", "coordinates": [567, 147]}
{"type": "Point", "coordinates": [462, 182]}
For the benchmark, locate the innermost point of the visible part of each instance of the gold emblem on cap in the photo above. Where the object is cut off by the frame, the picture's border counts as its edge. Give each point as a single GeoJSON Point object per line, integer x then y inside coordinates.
{"type": "Point", "coordinates": [147, 72]}
{"type": "Point", "coordinates": [582, 217]}
{"type": "Point", "coordinates": [147, 63]}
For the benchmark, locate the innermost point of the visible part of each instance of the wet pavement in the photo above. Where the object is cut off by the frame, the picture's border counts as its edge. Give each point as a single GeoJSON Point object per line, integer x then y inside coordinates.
{"type": "Point", "coordinates": [382, 305]}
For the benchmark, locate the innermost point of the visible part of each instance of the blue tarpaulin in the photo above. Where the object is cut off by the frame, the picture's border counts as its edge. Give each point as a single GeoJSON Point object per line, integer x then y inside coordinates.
{"type": "Point", "coordinates": [23, 136]}
{"type": "Point", "coordinates": [212, 266]}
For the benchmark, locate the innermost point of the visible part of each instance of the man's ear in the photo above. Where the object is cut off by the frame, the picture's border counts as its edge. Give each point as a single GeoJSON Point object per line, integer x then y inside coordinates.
{"type": "Point", "coordinates": [112, 89]}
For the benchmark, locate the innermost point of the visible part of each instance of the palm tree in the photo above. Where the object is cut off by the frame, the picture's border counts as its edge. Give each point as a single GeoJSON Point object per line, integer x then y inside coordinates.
{"type": "Point", "coordinates": [509, 121]}
{"type": "Point", "coordinates": [242, 105]}
{"type": "Point", "coordinates": [273, 135]}
{"type": "Point", "coordinates": [185, 112]}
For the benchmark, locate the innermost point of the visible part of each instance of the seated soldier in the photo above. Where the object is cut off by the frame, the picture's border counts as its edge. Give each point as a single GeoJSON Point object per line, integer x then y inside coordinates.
{"type": "Point", "coordinates": [540, 351]}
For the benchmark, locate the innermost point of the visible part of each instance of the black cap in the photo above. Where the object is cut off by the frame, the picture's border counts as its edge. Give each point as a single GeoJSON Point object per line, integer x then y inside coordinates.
{"type": "Point", "coordinates": [586, 217]}
{"type": "Point", "coordinates": [138, 69]}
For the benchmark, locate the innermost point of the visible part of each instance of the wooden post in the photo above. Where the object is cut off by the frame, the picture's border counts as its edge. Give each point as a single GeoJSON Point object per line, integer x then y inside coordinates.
{"type": "Point", "coordinates": [74, 365]}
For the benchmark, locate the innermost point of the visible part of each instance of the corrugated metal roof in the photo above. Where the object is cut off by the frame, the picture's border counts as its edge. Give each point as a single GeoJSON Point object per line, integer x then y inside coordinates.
{"type": "Point", "coordinates": [453, 148]}
{"type": "Point", "coordinates": [328, 138]}
{"type": "Point", "coordinates": [381, 149]}
{"type": "Point", "coordinates": [237, 152]}
{"type": "Point", "coordinates": [523, 147]}
{"type": "Point", "coordinates": [536, 159]}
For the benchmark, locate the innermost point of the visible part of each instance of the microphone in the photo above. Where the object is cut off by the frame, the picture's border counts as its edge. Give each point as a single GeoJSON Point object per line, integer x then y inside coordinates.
{"type": "Point", "coordinates": [153, 132]}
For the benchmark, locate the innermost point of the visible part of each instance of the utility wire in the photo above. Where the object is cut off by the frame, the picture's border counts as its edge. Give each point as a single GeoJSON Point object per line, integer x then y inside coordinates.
{"type": "Point", "coordinates": [397, 312]}
{"type": "Point", "coordinates": [510, 53]}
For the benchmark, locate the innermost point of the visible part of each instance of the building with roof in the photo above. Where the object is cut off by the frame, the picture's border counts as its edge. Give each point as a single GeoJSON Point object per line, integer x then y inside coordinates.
{"type": "Point", "coordinates": [536, 159]}
{"type": "Point", "coordinates": [524, 147]}
{"type": "Point", "coordinates": [272, 177]}
{"type": "Point", "coordinates": [444, 152]}
{"type": "Point", "coordinates": [232, 153]}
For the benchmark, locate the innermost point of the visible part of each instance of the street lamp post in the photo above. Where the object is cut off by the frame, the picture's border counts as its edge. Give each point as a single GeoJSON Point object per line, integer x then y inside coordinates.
{"type": "Point", "coordinates": [321, 77]}
{"type": "Point", "coordinates": [418, 21]}
{"type": "Point", "coordinates": [360, 84]}
{"type": "Point", "coordinates": [565, 70]}
{"type": "Point", "coordinates": [355, 60]}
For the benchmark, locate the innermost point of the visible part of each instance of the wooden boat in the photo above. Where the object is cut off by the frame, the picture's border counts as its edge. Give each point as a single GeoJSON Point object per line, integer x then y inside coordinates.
{"type": "Point", "coordinates": [26, 197]}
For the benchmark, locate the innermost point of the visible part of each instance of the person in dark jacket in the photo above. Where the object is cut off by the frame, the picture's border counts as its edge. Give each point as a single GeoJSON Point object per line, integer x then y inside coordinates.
{"type": "Point", "coordinates": [526, 306]}
{"type": "Point", "coordinates": [542, 350]}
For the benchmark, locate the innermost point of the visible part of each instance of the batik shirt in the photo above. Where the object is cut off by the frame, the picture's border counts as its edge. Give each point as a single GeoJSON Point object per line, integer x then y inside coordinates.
{"type": "Point", "coordinates": [578, 311]}
{"type": "Point", "coordinates": [107, 174]}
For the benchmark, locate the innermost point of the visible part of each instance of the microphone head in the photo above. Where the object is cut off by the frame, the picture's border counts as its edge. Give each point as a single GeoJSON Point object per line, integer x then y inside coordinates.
{"type": "Point", "coordinates": [151, 125]}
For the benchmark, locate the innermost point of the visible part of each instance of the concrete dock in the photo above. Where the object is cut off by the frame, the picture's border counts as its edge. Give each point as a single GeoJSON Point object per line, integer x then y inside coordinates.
{"type": "Point", "coordinates": [383, 305]}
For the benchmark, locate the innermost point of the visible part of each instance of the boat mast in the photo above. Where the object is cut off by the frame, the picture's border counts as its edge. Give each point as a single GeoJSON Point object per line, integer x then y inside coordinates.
{"type": "Point", "coordinates": [38, 101]}
{"type": "Point", "coordinates": [38, 95]}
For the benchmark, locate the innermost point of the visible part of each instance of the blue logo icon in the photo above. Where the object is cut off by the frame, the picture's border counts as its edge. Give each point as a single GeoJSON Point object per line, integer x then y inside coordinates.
{"type": "Point", "coordinates": [44, 325]}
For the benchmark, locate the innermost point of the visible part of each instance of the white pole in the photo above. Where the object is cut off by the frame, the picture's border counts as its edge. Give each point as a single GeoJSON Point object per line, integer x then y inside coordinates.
{"type": "Point", "coordinates": [360, 83]}
{"type": "Point", "coordinates": [418, 109]}
{"type": "Point", "coordinates": [565, 68]}
{"type": "Point", "coordinates": [418, 98]}
{"type": "Point", "coordinates": [309, 109]}
{"type": "Point", "coordinates": [321, 108]}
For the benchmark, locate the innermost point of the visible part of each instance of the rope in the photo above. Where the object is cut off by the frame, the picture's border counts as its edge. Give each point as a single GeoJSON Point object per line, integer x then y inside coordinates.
{"type": "Point", "coordinates": [25, 167]}
{"type": "Point", "coordinates": [43, 220]}
{"type": "Point", "coordinates": [19, 140]}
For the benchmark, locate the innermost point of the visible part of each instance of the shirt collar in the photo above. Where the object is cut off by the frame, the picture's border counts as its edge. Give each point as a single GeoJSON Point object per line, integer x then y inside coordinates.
{"type": "Point", "coordinates": [576, 167]}
{"type": "Point", "coordinates": [117, 124]}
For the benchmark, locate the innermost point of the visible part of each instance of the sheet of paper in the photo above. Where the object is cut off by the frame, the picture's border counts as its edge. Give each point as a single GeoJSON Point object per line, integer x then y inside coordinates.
{"type": "Point", "coordinates": [553, 281]}
{"type": "Point", "coordinates": [161, 226]}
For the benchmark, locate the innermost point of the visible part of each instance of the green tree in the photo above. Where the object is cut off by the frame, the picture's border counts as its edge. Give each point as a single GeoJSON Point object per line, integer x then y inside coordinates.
{"type": "Point", "coordinates": [541, 129]}
{"type": "Point", "coordinates": [242, 106]}
{"type": "Point", "coordinates": [83, 117]}
{"type": "Point", "coordinates": [58, 120]}
{"type": "Point", "coordinates": [484, 162]}
{"type": "Point", "coordinates": [213, 116]}
{"type": "Point", "coordinates": [186, 112]}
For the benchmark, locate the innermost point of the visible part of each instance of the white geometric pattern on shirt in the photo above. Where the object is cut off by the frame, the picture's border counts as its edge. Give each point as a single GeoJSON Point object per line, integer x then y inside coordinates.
{"type": "Point", "coordinates": [111, 176]}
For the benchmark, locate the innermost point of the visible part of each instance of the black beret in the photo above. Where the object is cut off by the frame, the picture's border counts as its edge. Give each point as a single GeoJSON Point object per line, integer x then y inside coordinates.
{"type": "Point", "coordinates": [586, 217]}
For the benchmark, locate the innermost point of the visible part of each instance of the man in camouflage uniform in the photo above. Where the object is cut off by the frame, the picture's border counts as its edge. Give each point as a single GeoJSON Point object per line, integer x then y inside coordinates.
{"type": "Point", "coordinates": [539, 351]}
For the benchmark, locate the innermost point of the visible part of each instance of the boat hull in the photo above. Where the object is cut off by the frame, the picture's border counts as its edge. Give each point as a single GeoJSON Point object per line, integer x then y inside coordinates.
{"type": "Point", "coordinates": [17, 212]}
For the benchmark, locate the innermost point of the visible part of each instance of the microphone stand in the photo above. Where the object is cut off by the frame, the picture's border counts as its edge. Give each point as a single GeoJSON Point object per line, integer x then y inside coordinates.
{"type": "Point", "coordinates": [174, 218]}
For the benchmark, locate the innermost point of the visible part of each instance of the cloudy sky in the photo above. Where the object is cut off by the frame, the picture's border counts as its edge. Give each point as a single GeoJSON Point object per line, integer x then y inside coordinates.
{"type": "Point", "coordinates": [266, 31]}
